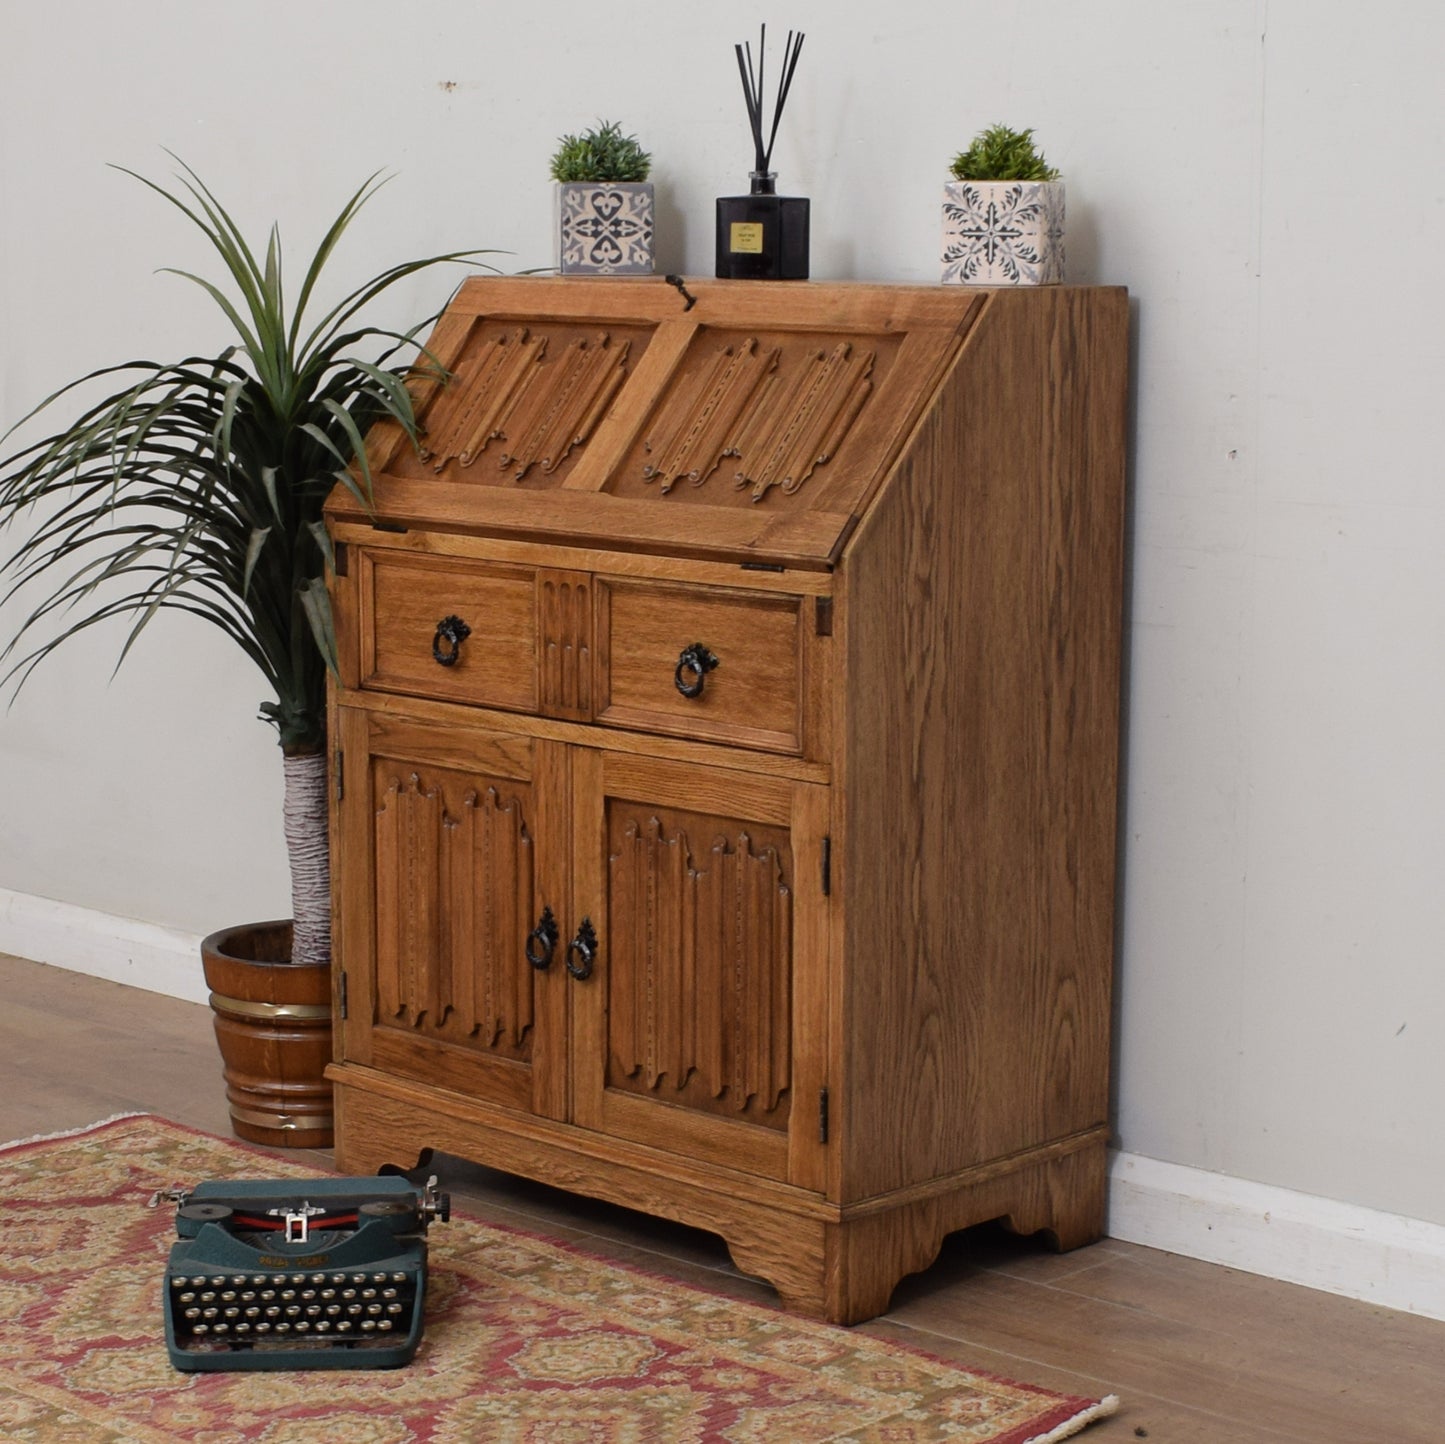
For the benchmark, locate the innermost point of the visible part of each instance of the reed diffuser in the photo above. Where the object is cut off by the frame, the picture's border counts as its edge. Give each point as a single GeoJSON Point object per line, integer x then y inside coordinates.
{"type": "Point", "coordinates": [762, 235]}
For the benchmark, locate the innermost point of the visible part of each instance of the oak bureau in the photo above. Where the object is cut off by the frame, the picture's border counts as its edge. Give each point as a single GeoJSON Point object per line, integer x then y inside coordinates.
{"type": "Point", "coordinates": [726, 750]}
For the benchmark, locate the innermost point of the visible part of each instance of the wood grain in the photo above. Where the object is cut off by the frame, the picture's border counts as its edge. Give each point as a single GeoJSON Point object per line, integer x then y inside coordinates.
{"type": "Point", "coordinates": [982, 627]}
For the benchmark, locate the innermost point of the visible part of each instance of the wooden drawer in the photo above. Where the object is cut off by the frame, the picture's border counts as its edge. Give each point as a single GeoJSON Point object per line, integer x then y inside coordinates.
{"type": "Point", "coordinates": [405, 602]}
{"type": "Point", "coordinates": [748, 688]}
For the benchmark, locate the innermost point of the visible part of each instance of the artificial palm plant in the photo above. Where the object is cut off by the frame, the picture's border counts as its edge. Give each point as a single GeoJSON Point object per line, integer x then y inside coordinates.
{"type": "Point", "coordinates": [199, 486]}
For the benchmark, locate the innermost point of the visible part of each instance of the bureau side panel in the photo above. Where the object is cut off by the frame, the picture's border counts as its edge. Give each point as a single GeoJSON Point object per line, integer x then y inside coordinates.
{"type": "Point", "coordinates": [981, 608]}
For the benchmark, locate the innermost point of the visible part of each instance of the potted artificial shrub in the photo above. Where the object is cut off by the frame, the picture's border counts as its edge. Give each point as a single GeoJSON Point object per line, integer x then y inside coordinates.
{"type": "Point", "coordinates": [1003, 213]}
{"type": "Point", "coordinates": [604, 204]}
{"type": "Point", "coordinates": [199, 486]}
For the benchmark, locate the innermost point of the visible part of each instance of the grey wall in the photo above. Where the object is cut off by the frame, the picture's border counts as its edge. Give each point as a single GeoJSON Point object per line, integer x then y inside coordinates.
{"type": "Point", "coordinates": [1265, 175]}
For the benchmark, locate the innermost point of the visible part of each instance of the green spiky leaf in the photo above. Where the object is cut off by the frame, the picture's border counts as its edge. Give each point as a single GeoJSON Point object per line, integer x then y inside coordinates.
{"type": "Point", "coordinates": [198, 485]}
{"type": "Point", "coordinates": [998, 153]}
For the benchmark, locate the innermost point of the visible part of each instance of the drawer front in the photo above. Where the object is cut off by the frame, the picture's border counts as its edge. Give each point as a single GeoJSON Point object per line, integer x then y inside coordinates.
{"type": "Point", "coordinates": [454, 630]}
{"type": "Point", "coordinates": [743, 684]}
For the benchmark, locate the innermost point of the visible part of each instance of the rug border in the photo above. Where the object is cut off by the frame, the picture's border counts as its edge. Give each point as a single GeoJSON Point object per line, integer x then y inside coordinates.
{"type": "Point", "coordinates": [1064, 1427]}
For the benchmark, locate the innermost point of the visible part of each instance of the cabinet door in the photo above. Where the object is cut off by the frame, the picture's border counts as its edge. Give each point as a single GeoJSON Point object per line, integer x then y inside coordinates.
{"type": "Point", "coordinates": [702, 1025]}
{"type": "Point", "coordinates": [452, 849]}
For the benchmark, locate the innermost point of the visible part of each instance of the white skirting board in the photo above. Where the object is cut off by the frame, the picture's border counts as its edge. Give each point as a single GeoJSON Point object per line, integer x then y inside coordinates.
{"type": "Point", "coordinates": [121, 950]}
{"type": "Point", "coordinates": [1389, 1260]}
{"type": "Point", "coordinates": [1362, 1253]}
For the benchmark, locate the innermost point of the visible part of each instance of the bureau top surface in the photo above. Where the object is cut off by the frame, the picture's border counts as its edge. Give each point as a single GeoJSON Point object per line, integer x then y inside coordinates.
{"type": "Point", "coordinates": [746, 420]}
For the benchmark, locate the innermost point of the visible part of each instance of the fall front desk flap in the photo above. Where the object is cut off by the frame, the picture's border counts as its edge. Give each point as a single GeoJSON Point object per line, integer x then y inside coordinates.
{"type": "Point", "coordinates": [728, 419]}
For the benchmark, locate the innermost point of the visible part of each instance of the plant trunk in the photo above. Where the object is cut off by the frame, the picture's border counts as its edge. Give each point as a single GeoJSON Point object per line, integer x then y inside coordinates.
{"type": "Point", "coordinates": [307, 847]}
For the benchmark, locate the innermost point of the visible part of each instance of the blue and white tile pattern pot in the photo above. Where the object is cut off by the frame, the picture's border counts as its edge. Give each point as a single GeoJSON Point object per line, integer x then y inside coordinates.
{"type": "Point", "coordinates": [1003, 233]}
{"type": "Point", "coordinates": [605, 228]}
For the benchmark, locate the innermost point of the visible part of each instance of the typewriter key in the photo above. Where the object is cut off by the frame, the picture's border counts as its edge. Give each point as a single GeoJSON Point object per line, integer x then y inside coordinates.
{"type": "Point", "coordinates": [263, 1327]}
{"type": "Point", "coordinates": [398, 1278]}
{"type": "Point", "coordinates": [201, 1329]}
{"type": "Point", "coordinates": [222, 1328]}
{"type": "Point", "coordinates": [283, 1327]}
{"type": "Point", "coordinates": [323, 1326]}
{"type": "Point", "coordinates": [384, 1325]}
{"type": "Point", "coordinates": [193, 1313]}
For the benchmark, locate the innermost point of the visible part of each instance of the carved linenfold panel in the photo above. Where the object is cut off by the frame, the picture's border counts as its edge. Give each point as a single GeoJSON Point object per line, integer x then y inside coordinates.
{"type": "Point", "coordinates": [564, 631]}
{"type": "Point", "coordinates": [454, 899]}
{"type": "Point", "coordinates": [524, 401]}
{"type": "Point", "coordinates": [758, 420]}
{"type": "Point", "coordinates": [700, 967]}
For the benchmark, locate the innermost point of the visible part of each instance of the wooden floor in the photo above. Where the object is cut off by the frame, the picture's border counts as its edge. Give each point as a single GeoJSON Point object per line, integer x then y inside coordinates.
{"type": "Point", "coordinates": [1199, 1354]}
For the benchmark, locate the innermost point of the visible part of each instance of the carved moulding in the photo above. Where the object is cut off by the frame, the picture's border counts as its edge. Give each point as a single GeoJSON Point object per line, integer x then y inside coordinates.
{"type": "Point", "coordinates": [700, 992]}
{"type": "Point", "coordinates": [454, 898]}
{"type": "Point", "coordinates": [777, 421]}
{"type": "Point", "coordinates": [537, 409]}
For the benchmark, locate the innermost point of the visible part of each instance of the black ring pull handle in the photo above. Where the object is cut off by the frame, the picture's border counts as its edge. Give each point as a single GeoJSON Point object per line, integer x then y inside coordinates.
{"type": "Point", "coordinates": [542, 941]}
{"type": "Point", "coordinates": [453, 632]}
{"type": "Point", "coordinates": [584, 946]}
{"type": "Point", "coordinates": [692, 668]}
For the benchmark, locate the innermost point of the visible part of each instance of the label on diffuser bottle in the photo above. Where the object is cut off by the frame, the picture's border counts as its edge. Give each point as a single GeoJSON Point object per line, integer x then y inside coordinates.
{"type": "Point", "coordinates": [746, 237]}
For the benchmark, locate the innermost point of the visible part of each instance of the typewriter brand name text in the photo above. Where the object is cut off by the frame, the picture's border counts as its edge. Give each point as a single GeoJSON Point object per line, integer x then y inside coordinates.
{"type": "Point", "coordinates": [290, 1261]}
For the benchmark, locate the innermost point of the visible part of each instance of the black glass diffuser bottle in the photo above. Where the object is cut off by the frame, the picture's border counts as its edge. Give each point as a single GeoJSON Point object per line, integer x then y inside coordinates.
{"type": "Point", "coordinates": [763, 236]}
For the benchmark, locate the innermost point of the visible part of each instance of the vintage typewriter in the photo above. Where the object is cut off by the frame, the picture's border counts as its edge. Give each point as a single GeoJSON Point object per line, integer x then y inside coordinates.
{"type": "Point", "coordinates": [326, 1273]}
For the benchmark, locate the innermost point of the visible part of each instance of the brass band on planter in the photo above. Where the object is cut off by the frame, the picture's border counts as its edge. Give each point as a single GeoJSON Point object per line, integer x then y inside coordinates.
{"type": "Point", "coordinates": [290, 1122]}
{"type": "Point", "coordinates": [281, 1012]}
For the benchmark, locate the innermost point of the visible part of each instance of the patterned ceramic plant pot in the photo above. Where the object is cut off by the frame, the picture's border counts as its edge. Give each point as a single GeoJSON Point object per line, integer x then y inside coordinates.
{"type": "Point", "coordinates": [605, 228]}
{"type": "Point", "coordinates": [1003, 233]}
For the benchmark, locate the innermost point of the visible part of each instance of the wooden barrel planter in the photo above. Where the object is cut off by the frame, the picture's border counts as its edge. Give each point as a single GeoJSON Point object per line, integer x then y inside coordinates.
{"type": "Point", "coordinates": [273, 1025]}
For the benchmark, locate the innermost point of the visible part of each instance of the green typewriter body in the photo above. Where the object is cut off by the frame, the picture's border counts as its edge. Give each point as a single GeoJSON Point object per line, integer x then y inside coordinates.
{"type": "Point", "coordinates": [326, 1273]}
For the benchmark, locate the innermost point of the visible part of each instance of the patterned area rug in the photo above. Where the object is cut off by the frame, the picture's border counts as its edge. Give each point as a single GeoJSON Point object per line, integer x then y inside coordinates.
{"type": "Point", "coordinates": [527, 1341]}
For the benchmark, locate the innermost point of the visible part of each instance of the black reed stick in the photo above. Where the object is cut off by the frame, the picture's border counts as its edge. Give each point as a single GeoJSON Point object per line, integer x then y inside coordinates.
{"type": "Point", "coordinates": [753, 90]}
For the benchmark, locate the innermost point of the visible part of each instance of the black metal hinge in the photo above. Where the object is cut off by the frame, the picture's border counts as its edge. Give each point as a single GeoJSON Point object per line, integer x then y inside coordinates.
{"type": "Point", "coordinates": [823, 616]}
{"type": "Point", "coordinates": [340, 776]}
{"type": "Point", "coordinates": [822, 1115]}
{"type": "Point", "coordinates": [342, 554]}
{"type": "Point", "coordinates": [827, 867]}
{"type": "Point", "coordinates": [341, 993]}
